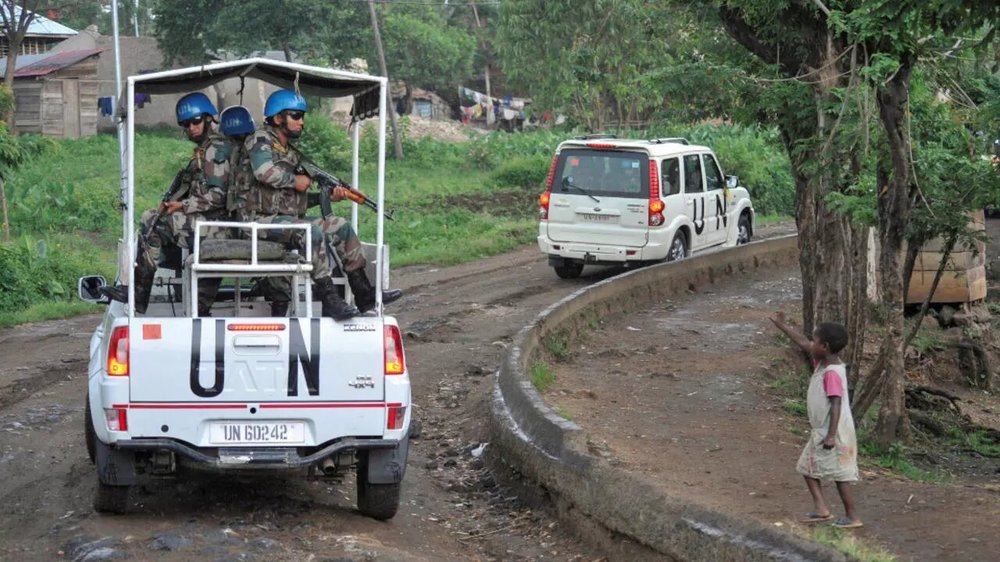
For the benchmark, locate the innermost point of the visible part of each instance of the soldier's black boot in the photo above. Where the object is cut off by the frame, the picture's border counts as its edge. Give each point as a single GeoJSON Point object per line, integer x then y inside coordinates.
{"type": "Point", "coordinates": [364, 293]}
{"type": "Point", "coordinates": [334, 305]}
{"type": "Point", "coordinates": [279, 308]}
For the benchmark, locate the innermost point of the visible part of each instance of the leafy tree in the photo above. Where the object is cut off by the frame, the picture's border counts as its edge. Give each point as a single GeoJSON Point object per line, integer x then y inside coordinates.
{"type": "Point", "coordinates": [591, 58]}
{"type": "Point", "coordinates": [838, 49]}
{"type": "Point", "coordinates": [423, 51]}
{"type": "Point", "coordinates": [193, 30]}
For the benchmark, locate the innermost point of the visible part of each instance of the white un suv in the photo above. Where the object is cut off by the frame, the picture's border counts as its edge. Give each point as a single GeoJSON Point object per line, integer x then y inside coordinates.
{"type": "Point", "coordinates": [609, 201]}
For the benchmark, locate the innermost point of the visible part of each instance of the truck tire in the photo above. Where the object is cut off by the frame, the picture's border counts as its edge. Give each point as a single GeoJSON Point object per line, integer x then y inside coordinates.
{"type": "Point", "coordinates": [111, 499]}
{"type": "Point", "coordinates": [89, 436]}
{"type": "Point", "coordinates": [743, 232]}
{"type": "Point", "coordinates": [378, 501]}
{"type": "Point", "coordinates": [678, 248]}
{"type": "Point", "coordinates": [569, 269]}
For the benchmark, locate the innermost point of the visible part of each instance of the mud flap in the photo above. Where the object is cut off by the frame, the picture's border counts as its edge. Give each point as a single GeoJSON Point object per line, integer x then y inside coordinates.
{"type": "Point", "coordinates": [115, 467]}
{"type": "Point", "coordinates": [387, 466]}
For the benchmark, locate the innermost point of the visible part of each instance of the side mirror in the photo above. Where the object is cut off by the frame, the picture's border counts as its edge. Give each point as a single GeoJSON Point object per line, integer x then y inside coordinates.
{"type": "Point", "coordinates": [89, 289]}
{"type": "Point", "coordinates": [732, 182]}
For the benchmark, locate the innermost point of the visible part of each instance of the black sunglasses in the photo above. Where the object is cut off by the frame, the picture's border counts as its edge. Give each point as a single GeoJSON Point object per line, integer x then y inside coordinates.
{"type": "Point", "coordinates": [296, 115]}
{"type": "Point", "coordinates": [193, 121]}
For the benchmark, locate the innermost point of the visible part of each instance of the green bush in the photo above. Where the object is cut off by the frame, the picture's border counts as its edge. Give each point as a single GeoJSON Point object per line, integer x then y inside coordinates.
{"type": "Point", "coordinates": [32, 270]}
{"type": "Point", "coordinates": [523, 171]}
{"type": "Point", "coordinates": [329, 146]}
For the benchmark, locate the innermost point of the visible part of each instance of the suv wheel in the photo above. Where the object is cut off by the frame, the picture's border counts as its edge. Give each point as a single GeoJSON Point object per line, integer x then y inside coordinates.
{"type": "Point", "coordinates": [569, 270]}
{"type": "Point", "coordinates": [743, 228]}
{"type": "Point", "coordinates": [678, 248]}
{"type": "Point", "coordinates": [378, 501]}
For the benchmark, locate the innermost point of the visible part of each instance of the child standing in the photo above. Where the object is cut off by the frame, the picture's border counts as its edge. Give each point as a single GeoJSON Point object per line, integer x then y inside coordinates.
{"type": "Point", "coordinates": [832, 450]}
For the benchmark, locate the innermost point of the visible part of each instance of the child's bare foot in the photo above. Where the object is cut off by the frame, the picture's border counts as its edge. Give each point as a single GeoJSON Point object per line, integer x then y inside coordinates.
{"type": "Point", "coordinates": [845, 523]}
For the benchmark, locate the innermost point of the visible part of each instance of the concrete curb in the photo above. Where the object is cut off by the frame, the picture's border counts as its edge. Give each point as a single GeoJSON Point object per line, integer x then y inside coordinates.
{"type": "Point", "coordinates": [552, 451]}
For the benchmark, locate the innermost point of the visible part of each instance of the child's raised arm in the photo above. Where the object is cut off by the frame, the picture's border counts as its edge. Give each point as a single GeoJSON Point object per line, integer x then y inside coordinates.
{"type": "Point", "coordinates": [793, 334]}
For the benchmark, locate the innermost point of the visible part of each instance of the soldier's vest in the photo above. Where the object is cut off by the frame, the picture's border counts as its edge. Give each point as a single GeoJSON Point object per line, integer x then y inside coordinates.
{"type": "Point", "coordinates": [251, 197]}
{"type": "Point", "coordinates": [200, 164]}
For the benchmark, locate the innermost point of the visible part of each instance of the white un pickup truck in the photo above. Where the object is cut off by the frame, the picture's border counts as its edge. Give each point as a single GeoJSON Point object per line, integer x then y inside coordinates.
{"type": "Point", "coordinates": [241, 391]}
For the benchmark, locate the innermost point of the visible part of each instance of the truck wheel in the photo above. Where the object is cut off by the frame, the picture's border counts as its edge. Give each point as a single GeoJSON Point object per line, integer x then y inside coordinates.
{"type": "Point", "coordinates": [378, 501]}
{"type": "Point", "coordinates": [743, 228]}
{"type": "Point", "coordinates": [569, 270]}
{"type": "Point", "coordinates": [678, 248]}
{"type": "Point", "coordinates": [89, 436]}
{"type": "Point", "coordinates": [111, 499]}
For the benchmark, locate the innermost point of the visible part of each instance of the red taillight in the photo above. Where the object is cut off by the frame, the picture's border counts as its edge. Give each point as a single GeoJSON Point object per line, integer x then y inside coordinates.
{"type": "Point", "coordinates": [600, 145]}
{"type": "Point", "coordinates": [394, 416]}
{"type": "Point", "coordinates": [543, 199]}
{"type": "Point", "coordinates": [394, 362]}
{"type": "Point", "coordinates": [656, 205]}
{"type": "Point", "coordinates": [118, 352]}
{"type": "Point", "coordinates": [116, 418]}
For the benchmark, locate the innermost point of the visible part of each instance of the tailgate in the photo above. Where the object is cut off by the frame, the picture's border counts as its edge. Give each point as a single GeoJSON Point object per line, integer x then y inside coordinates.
{"type": "Point", "coordinates": [255, 361]}
{"type": "Point", "coordinates": [612, 222]}
{"type": "Point", "coordinates": [231, 382]}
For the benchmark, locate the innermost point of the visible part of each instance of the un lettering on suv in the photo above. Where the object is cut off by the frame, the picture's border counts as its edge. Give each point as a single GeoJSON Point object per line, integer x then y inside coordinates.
{"type": "Point", "coordinates": [612, 201]}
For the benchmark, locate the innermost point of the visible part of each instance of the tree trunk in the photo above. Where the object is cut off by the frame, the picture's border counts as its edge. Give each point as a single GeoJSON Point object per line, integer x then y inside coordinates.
{"type": "Point", "coordinates": [3, 204]}
{"type": "Point", "coordinates": [397, 142]}
{"type": "Point", "coordinates": [8, 81]}
{"type": "Point", "coordinates": [408, 100]}
{"type": "Point", "coordinates": [893, 210]}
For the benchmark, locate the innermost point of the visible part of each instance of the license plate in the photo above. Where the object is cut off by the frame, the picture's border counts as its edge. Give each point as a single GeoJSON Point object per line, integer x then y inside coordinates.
{"type": "Point", "coordinates": [237, 433]}
{"type": "Point", "coordinates": [590, 217]}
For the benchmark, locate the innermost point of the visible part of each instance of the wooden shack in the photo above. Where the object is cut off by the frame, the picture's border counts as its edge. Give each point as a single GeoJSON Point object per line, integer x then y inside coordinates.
{"type": "Point", "coordinates": [964, 277]}
{"type": "Point", "coordinates": [56, 96]}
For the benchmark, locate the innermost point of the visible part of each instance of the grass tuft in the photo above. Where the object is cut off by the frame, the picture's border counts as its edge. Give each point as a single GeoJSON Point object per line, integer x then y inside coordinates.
{"type": "Point", "coordinates": [850, 544]}
{"type": "Point", "coordinates": [542, 377]}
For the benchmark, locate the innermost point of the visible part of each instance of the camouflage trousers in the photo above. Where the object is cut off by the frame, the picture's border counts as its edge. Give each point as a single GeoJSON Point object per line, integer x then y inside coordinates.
{"type": "Point", "coordinates": [333, 231]}
{"type": "Point", "coordinates": [177, 229]}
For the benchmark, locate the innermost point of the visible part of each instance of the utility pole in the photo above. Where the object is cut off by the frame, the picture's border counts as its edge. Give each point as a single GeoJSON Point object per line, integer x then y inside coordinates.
{"type": "Point", "coordinates": [391, 109]}
{"type": "Point", "coordinates": [482, 45]}
{"type": "Point", "coordinates": [135, 16]}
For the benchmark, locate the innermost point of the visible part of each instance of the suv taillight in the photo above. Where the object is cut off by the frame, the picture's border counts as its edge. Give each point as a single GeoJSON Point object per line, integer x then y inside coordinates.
{"type": "Point", "coordinates": [655, 203]}
{"type": "Point", "coordinates": [543, 199]}
{"type": "Point", "coordinates": [118, 352]}
{"type": "Point", "coordinates": [395, 364]}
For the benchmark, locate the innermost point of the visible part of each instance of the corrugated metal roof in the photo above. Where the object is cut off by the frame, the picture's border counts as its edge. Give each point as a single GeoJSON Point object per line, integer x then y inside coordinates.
{"type": "Point", "coordinates": [42, 25]}
{"type": "Point", "coordinates": [23, 60]}
{"type": "Point", "coordinates": [52, 63]}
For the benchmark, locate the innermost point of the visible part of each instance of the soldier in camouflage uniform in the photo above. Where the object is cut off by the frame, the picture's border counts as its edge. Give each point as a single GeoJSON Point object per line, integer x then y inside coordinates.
{"type": "Point", "coordinates": [268, 190]}
{"type": "Point", "coordinates": [203, 189]}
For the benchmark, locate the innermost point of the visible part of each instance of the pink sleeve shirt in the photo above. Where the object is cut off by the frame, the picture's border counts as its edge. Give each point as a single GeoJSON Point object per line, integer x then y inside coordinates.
{"type": "Point", "coordinates": [832, 384]}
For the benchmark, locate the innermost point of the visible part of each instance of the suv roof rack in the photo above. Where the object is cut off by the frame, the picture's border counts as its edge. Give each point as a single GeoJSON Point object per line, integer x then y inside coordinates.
{"type": "Point", "coordinates": [675, 140]}
{"type": "Point", "coordinates": [596, 136]}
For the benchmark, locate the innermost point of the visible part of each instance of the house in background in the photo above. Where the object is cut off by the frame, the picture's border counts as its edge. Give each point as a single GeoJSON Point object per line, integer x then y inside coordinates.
{"type": "Point", "coordinates": [56, 94]}
{"type": "Point", "coordinates": [42, 35]}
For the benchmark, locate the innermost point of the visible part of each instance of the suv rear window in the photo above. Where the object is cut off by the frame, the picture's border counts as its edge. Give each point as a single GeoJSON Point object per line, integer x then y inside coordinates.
{"type": "Point", "coordinates": [602, 172]}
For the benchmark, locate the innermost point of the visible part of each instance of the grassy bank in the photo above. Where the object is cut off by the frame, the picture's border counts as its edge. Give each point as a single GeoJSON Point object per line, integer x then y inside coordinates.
{"type": "Point", "coordinates": [453, 201]}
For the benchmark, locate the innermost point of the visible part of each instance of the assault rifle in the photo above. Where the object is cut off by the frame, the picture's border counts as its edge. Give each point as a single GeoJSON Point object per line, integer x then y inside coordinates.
{"type": "Point", "coordinates": [327, 182]}
{"type": "Point", "coordinates": [173, 193]}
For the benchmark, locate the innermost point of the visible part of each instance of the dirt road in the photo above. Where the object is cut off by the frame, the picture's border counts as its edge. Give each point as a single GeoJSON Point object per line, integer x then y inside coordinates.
{"type": "Point", "coordinates": [457, 320]}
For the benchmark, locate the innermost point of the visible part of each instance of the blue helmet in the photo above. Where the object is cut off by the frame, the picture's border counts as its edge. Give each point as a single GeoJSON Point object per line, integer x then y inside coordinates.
{"type": "Point", "coordinates": [282, 100]}
{"type": "Point", "coordinates": [194, 105]}
{"type": "Point", "coordinates": [236, 120]}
